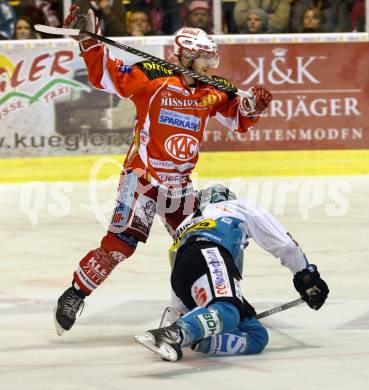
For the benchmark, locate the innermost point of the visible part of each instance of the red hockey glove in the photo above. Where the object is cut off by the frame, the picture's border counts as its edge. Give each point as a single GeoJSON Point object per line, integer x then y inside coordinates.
{"type": "Point", "coordinates": [255, 106]}
{"type": "Point", "coordinates": [88, 22]}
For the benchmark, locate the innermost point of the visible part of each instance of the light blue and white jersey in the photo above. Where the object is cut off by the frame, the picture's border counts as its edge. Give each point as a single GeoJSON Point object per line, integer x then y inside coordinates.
{"type": "Point", "coordinates": [231, 223]}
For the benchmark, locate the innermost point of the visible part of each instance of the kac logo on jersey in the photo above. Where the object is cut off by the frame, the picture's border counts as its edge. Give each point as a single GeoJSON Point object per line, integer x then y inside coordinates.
{"type": "Point", "coordinates": [182, 146]}
{"type": "Point", "coordinates": [177, 119]}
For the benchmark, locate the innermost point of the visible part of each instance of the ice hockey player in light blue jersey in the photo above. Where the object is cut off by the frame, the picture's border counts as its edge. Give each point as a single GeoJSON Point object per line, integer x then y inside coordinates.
{"type": "Point", "coordinates": [207, 265]}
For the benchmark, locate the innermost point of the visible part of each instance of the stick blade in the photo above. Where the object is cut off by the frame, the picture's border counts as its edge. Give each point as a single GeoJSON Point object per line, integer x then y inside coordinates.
{"type": "Point", "coordinates": [56, 30]}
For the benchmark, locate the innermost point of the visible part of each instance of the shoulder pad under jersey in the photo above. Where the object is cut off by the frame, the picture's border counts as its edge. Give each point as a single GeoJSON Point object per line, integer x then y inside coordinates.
{"type": "Point", "coordinates": [225, 82]}
{"type": "Point", "coordinates": [153, 70]}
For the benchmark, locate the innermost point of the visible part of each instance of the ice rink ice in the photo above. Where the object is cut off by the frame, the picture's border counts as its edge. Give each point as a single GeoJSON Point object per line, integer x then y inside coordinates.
{"type": "Point", "coordinates": [308, 350]}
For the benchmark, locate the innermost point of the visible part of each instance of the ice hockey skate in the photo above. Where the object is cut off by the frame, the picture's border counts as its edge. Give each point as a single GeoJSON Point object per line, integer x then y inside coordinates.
{"type": "Point", "coordinates": [66, 310]}
{"type": "Point", "coordinates": [164, 342]}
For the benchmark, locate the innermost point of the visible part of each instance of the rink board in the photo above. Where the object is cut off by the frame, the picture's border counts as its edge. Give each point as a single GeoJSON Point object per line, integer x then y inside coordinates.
{"type": "Point", "coordinates": [210, 165]}
{"type": "Point", "coordinates": [318, 82]}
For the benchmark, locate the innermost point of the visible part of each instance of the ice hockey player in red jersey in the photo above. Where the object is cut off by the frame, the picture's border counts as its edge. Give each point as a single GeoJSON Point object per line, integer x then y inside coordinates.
{"type": "Point", "coordinates": [172, 113]}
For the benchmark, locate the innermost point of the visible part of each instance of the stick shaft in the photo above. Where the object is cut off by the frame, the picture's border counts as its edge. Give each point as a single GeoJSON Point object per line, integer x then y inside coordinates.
{"type": "Point", "coordinates": [157, 60]}
{"type": "Point", "coordinates": [280, 308]}
{"type": "Point", "coordinates": [177, 68]}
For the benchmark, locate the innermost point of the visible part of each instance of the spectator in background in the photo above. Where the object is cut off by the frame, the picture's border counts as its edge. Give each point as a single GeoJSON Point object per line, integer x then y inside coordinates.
{"type": "Point", "coordinates": [199, 16]}
{"type": "Point", "coordinates": [334, 15]}
{"type": "Point", "coordinates": [256, 22]}
{"type": "Point", "coordinates": [7, 21]}
{"type": "Point", "coordinates": [278, 14]}
{"type": "Point", "coordinates": [139, 24]}
{"type": "Point", "coordinates": [164, 14]}
{"type": "Point", "coordinates": [311, 21]}
{"type": "Point", "coordinates": [47, 12]}
{"type": "Point", "coordinates": [341, 14]}
{"type": "Point", "coordinates": [112, 17]}
{"type": "Point", "coordinates": [229, 25]}
{"type": "Point", "coordinates": [357, 16]}
{"type": "Point", "coordinates": [17, 5]}
{"type": "Point", "coordinates": [24, 29]}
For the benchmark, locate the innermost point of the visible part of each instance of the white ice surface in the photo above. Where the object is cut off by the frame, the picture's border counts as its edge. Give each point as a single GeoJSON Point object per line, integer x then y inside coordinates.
{"type": "Point", "coordinates": [324, 350]}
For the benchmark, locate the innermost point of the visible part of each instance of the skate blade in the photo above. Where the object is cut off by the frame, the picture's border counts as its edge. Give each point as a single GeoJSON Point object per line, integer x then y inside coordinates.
{"type": "Point", "coordinates": [59, 329]}
{"type": "Point", "coordinates": [164, 351]}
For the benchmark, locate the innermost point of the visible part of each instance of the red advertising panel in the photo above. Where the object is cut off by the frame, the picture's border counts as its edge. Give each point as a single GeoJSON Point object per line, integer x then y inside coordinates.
{"type": "Point", "coordinates": [320, 96]}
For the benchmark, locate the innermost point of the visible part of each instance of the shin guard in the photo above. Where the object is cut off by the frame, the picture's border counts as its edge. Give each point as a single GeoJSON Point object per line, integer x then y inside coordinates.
{"type": "Point", "coordinates": [97, 265]}
{"type": "Point", "coordinates": [203, 322]}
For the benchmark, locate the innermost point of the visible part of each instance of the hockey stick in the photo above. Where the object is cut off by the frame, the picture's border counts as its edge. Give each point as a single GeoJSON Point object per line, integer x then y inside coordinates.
{"type": "Point", "coordinates": [177, 68]}
{"type": "Point", "coordinates": [170, 315]}
{"type": "Point", "coordinates": [277, 309]}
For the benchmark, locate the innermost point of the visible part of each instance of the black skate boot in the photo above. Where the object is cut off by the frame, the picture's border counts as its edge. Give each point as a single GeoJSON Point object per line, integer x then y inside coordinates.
{"type": "Point", "coordinates": [65, 312]}
{"type": "Point", "coordinates": [166, 342]}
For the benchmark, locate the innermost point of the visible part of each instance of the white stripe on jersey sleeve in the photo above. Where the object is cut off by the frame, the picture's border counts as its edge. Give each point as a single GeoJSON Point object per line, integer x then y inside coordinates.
{"type": "Point", "coordinates": [106, 81]}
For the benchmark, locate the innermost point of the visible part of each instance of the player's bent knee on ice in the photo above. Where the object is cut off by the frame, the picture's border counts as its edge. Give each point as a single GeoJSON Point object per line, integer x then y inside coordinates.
{"type": "Point", "coordinates": [249, 338]}
{"type": "Point", "coordinates": [228, 313]}
{"type": "Point", "coordinates": [203, 322]}
{"type": "Point", "coordinates": [256, 333]}
{"type": "Point", "coordinates": [262, 340]}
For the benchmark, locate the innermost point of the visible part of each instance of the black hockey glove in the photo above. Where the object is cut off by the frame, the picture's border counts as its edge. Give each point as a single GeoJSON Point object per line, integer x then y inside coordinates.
{"type": "Point", "coordinates": [311, 287]}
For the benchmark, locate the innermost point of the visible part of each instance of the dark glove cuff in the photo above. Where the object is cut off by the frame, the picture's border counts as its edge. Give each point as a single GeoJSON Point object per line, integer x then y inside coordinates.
{"type": "Point", "coordinates": [306, 278]}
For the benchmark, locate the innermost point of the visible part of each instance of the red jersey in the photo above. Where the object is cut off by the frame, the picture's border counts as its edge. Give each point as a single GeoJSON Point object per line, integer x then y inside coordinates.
{"type": "Point", "coordinates": [171, 117]}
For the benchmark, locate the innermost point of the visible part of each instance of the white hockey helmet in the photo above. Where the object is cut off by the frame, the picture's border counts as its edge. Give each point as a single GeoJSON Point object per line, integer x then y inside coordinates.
{"type": "Point", "coordinates": [194, 43]}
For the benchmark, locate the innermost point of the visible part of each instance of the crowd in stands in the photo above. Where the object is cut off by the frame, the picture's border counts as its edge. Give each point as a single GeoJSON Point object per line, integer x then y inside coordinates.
{"type": "Point", "coordinates": [165, 17]}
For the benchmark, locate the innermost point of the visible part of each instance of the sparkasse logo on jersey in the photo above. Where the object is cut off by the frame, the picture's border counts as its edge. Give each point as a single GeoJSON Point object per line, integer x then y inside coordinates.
{"type": "Point", "coordinates": [182, 146]}
{"type": "Point", "coordinates": [177, 119]}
